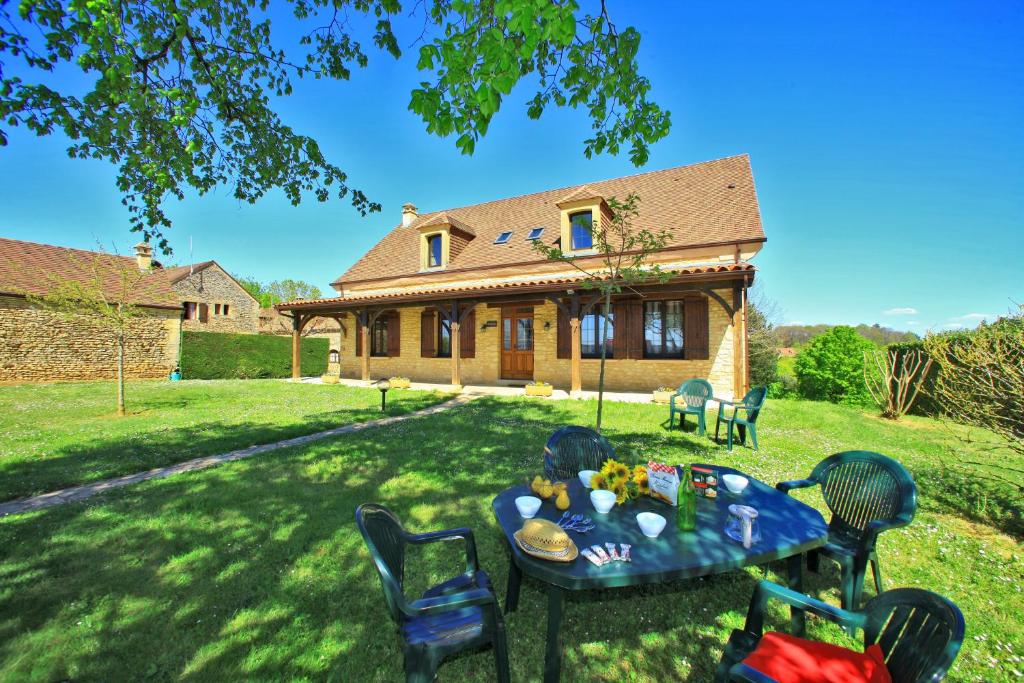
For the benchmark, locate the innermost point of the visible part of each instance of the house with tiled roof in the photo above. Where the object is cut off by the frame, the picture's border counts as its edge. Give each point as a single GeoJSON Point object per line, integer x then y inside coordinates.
{"type": "Point", "coordinates": [462, 295]}
{"type": "Point", "coordinates": [37, 344]}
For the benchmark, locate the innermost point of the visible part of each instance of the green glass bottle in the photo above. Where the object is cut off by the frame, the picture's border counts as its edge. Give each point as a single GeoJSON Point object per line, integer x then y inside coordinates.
{"type": "Point", "coordinates": [686, 502]}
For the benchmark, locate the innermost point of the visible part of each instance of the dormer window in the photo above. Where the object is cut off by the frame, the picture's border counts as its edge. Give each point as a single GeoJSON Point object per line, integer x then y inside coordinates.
{"type": "Point", "coordinates": [534, 234]}
{"type": "Point", "coordinates": [504, 237]}
{"type": "Point", "coordinates": [434, 251]}
{"type": "Point", "coordinates": [581, 226]}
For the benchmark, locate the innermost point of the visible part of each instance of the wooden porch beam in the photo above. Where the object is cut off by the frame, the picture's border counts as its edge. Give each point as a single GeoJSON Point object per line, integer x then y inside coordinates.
{"type": "Point", "coordinates": [297, 324]}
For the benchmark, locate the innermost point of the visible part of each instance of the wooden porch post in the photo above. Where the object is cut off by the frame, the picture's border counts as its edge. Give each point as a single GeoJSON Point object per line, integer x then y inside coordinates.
{"type": "Point", "coordinates": [576, 376]}
{"type": "Point", "coordinates": [364, 332]}
{"type": "Point", "coordinates": [739, 339]}
{"type": "Point", "coordinates": [296, 345]}
{"type": "Point", "coordinates": [456, 349]}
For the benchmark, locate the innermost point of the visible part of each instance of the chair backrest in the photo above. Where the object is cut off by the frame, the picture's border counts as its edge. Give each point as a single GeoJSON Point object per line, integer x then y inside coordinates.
{"type": "Point", "coordinates": [695, 392]}
{"type": "Point", "coordinates": [572, 449]}
{"type": "Point", "coordinates": [860, 487]}
{"type": "Point", "coordinates": [385, 539]}
{"type": "Point", "coordinates": [754, 399]}
{"type": "Point", "coordinates": [920, 633]}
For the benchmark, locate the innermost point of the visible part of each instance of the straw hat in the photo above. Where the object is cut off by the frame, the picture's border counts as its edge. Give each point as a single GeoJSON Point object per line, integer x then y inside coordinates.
{"type": "Point", "coordinates": [546, 540]}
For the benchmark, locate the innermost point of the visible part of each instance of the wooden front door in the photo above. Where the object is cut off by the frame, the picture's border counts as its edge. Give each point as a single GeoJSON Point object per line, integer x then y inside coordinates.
{"type": "Point", "coordinates": [517, 343]}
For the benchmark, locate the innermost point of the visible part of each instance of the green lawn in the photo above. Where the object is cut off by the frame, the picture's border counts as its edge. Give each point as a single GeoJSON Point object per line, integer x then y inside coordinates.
{"type": "Point", "coordinates": [254, 570]}
{"type": "Point", "coordinates": [56, 435]}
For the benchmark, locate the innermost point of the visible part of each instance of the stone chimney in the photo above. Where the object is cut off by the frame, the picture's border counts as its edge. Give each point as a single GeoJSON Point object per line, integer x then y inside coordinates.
{"type": "Point", "coordinates": [408, 214]}
{"type": "Point", "coordinates": [144, 255]}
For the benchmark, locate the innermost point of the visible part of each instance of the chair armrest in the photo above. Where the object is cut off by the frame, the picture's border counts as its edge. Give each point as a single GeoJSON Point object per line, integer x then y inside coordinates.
{"type": "Point", "coordinates": [767, 590]}
{"type": "Point", "coordinates": [448, 535]}
{"type": "Point", "coordinates": [446, 603]}
{"type": "Point", "coordinates": [877, 526]}
{"type": "Point", "coordinates": [787, 486]}
{"type": "Point", "coordinates": [743, 673]}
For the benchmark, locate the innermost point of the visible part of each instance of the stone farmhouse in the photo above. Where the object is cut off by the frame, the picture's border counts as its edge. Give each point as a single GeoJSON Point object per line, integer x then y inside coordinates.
{"type": "Point", "coordinates": [462, 296]}
{"type": "Point", "coordinates": [37, 344]}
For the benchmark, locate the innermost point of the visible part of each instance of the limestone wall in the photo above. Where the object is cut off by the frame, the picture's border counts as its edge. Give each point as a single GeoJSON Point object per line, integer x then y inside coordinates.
{"type": "Point", "coordinates": [620, 374]}
{"type": "Point", "coordinates": [40, 345]}
{"type": "Point", "coordinates": [213, 286]}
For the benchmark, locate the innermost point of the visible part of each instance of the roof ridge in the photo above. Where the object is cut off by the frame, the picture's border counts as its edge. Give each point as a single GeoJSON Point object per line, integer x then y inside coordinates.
{"type": "Point", "coordinates": [63, 248]}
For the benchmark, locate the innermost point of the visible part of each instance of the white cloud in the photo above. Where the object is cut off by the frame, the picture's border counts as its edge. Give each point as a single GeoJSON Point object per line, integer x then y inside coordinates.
{"type": "Point", "coordinates": [977, 316]}
{"type": "Point", "coordinates": [904, 310]}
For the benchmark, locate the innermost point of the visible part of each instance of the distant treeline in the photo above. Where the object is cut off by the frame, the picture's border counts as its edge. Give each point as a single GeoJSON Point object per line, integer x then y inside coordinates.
{"type": "Point", "coordinates": [798, 335]}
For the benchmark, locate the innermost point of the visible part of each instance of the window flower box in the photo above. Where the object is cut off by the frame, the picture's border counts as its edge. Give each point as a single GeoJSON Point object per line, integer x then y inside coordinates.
{"type": "Point", "coordinates": [663, 395]}
{"type": "Point", "coordinates": [539, 389]}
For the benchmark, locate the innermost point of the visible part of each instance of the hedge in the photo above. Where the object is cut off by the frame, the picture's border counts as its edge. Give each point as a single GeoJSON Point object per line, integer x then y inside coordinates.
{"type": "Point", "coordinates": [214, 355]}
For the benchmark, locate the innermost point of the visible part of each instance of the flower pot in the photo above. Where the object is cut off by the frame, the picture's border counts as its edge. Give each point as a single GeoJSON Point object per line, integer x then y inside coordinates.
{"type": "Point", "coordinates": [539, 389]}
{"type": "Point", "coordinates": [329, 379]}
{"type": "Point", "coordinates": [399, 382]}
{"type": "Point", "coordinates": [663, 396]}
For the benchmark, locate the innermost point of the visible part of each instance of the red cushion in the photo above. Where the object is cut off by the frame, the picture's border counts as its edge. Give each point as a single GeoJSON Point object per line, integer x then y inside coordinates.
{"type": "Point", "coordinates": [789, 659]}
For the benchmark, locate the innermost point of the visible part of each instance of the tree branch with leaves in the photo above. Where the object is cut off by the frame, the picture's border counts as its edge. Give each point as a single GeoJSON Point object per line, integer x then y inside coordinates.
{"type": "Point", "coordinates": [180, 95]}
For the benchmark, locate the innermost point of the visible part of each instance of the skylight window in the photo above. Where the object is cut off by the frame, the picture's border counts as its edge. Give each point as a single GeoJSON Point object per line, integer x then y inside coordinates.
{"type": "Point", "coordinates": [535, 234]}
{"type": "Point", "coordinates": [504, 237]}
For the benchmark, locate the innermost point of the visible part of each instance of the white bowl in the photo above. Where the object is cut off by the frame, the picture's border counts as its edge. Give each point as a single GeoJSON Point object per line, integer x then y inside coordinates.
{"type": "Point", "coordinates": [585, 476]}
{"type": "Point", "coordinates": [650, 523]}
{"type": "Point", "coordinates": [527, 506]}
{"type": "Point", "coordinates": [603, 500]}
{"type": "Point", "coordinates": [735, 482]}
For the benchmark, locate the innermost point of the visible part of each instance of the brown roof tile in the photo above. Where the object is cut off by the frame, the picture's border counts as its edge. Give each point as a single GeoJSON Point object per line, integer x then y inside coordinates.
{"type": "Point", "coordinates": [31, 268]}
{"type": "Point", "coordinates": [707, 203]}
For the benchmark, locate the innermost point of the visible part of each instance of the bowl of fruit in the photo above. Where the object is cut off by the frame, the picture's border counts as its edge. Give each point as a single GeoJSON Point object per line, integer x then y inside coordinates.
{"type": "Point", "coordinates": [545, 489]}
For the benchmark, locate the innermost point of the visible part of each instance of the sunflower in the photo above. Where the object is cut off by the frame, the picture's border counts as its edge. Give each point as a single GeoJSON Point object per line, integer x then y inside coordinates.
{"type": "Point", "coordinates": [622, 496]}
{"type": "Point", "coordinates": [599, 481]}
{"type": "Point", "coordinates": [621, 471]}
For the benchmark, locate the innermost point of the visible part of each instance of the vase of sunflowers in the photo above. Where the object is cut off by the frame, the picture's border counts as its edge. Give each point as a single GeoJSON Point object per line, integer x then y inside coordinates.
{"type": "Point", "coordinates": [624, 481]}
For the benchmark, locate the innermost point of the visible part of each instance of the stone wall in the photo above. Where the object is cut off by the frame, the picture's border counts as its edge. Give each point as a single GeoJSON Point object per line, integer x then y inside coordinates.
{"type": "Point", "coordinates": [213, 286]}
{"type": "Point", "coordinates": [39, 345]}
{"type": "Point", "coordinates": [485, 368]}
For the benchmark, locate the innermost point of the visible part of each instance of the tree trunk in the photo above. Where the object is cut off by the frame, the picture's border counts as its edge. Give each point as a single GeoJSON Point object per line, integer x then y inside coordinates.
{"type": "Point", "coordinates": [604, 339]}
{"type": "Point", "coordinates": [120, 374]}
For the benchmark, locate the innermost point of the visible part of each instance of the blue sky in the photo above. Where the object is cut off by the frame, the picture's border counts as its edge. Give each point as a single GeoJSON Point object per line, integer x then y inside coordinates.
{"type": "Point", "coordinates": [885, 139]}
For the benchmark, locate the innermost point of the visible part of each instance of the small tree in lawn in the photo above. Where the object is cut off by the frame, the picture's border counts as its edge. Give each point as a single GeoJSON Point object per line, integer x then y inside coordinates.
{"type": "Point", "coordinates": [894, 379]}
{"type": "Point", "coordinates": [103, 296]}
{"type": "Point", "coordinates": [622, 254]}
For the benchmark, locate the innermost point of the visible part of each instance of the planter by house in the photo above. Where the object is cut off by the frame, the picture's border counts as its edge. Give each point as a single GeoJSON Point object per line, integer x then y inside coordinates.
{"type": "Point", "coordinates": [663, 395]}
{"type": "Point", "coordinates": [399, 382]}
{"type": "Point", "coordinates": [329, 379]}
{"type": "Point", "coordinates": [539, 389]}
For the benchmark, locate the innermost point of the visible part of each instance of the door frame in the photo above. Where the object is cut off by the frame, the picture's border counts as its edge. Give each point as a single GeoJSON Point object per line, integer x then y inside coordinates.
{"type": "Point", "coordinates": [509, 311]}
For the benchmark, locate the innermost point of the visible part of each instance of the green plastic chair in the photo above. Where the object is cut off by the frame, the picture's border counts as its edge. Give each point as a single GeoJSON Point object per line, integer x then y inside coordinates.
{"type": "Point", "coordinates": [571, 450]}
{"type": "Point", "coordinates": [457, 615]}
{"type": "Point", "coordinates": [751, 405]}
{"type": "Point", "coordinates": [694, 395]}
{"type": "Point", "coordinates": [919, 632]}
{"type": "Point", "coordinates": [868, 493]}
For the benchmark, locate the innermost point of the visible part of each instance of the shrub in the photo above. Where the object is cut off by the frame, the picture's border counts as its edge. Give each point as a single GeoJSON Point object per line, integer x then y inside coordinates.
{"type": "Point", "coordinates": [784, 387]}
{"type": "Point", "coordinates": [831, 367]}
{"type": "Point", "coordinates": [213, 355]}
{"type": "Point", "coordinates": [762, 349]}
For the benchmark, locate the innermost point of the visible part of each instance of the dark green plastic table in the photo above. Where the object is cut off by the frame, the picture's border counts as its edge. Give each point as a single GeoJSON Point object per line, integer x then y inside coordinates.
{"type": "Point", "coordinates": [789, 528]}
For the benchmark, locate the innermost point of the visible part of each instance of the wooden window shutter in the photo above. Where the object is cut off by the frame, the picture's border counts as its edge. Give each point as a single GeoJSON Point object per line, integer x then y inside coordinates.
{"type": "Point", "coordinates": [359, 338]}
{"type": "Point", "coordinates": [394, 335]}
{"type": "Point", "coordinates": [634, 329]}
{"type": "Point", "coordinates": [563, 343]}
{"type": "Point", "coordinates": [621, 341]}
{"type": "Point", "coordinates": [204, 312]}
{"type": "Point", "coordinates": [695, 329]}
{"type": "Point", "coordinates": [427, 339]}
{"type": "Point", "coordinates": [467, 336]}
